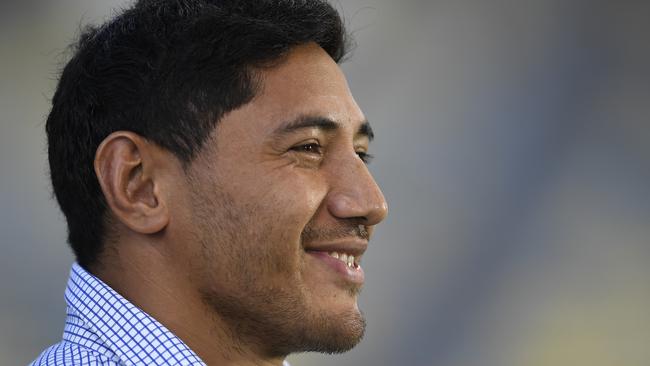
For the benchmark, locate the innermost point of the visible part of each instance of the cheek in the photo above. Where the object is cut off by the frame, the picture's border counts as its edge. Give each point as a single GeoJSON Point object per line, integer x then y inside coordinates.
{"type": "Point", "coordinates": [283, 212]}
{"type": "Point", "coordinates": [295, 202]}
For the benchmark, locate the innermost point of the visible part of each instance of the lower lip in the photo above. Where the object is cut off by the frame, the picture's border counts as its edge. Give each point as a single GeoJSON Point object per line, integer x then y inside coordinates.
{"type": "Point", "coordinates": [354, 275]}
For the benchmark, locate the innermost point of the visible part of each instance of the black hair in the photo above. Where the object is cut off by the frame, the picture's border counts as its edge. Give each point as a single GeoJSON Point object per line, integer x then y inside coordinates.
{"type": "Point", "coordinates": [167, 70]}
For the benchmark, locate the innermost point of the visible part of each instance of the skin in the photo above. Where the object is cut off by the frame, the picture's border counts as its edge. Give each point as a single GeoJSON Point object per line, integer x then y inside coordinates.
{"type": "Point", "coordinates": [218, 252]}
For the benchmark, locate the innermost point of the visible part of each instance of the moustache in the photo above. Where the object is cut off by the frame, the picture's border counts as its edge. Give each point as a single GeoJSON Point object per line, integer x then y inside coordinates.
{"type": "Point", "coordinates": [339, 231]}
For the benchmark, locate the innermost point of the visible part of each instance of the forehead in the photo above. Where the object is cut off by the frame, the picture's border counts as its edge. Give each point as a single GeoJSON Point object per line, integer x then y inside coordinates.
{"type": "Point", "coordinates": [306, 82]}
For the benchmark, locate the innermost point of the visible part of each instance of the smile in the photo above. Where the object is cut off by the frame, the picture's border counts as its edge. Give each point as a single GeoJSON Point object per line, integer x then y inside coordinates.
{"type": "Point", "coordinates": [348, 259]}
{"type": "Point", "coordinates": [341, 264]}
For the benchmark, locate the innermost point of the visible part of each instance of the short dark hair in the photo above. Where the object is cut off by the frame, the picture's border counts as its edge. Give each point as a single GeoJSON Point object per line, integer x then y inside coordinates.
{"type": "Point", "coordinates": [167, 70]}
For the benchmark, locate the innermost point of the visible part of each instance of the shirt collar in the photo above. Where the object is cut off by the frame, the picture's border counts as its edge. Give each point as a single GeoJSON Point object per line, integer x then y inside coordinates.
{"type": "Point", "coordinates": [124, 332]}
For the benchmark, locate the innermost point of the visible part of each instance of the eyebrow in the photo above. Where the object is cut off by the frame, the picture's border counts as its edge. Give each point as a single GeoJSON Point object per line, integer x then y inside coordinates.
{"type": "Point", "coordinates": [322, 123]}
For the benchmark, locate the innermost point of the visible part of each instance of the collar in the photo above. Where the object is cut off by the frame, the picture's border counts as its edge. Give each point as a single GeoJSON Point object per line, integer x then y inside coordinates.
{"type": "Point", "coordinates": [105, 322]}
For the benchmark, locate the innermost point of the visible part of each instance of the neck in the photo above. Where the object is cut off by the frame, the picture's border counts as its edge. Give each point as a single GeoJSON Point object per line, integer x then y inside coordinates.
{"type": "Point", "coordinates": [153, 282]}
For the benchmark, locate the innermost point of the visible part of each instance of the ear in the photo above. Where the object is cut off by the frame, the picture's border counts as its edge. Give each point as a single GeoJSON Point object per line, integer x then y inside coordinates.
{"type": "Point", "coordinates": [129, 173]}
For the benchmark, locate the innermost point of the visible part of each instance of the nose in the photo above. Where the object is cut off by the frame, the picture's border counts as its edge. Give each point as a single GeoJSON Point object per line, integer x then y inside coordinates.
{"type": "Point", "coordinates": [355, 194]}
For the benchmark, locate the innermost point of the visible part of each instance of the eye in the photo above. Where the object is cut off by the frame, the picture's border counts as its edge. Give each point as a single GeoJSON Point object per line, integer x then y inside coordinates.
{"type": "Point", "coordinates": [310, 148]}
{"type": "Point", "coordinates": [365, 157]}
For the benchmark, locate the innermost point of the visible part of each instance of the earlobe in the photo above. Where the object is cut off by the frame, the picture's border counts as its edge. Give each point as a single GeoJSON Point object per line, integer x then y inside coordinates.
{"type": "Point", "coordinates": [126, 171]}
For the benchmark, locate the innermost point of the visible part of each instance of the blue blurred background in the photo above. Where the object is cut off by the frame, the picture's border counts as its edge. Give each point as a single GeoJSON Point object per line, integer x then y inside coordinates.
{"type": "Point", "coordinates": [513, 145]}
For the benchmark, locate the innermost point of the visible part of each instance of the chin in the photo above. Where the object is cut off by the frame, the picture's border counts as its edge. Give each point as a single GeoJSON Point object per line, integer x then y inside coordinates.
{"type": "Point", "coordinates": [334, 333]}
{"type": "Point", "coordinates": [282, 321]}
{"type": "Point", "coordinates": [348, 338]}
{"type": "Point", "coordinates": [333, 326]}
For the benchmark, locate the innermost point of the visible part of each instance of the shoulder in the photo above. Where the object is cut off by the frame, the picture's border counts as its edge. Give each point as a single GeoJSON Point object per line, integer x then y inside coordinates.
{"type": "Point", "coordinates": [70, 354]}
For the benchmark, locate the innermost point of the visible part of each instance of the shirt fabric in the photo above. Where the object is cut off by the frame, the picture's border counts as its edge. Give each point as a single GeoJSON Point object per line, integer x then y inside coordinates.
{"type": "Point", "coordinates": [103, 328]}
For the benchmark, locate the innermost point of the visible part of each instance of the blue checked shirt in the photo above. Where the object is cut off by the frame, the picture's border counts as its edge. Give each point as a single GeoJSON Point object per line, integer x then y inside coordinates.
{"type": "Point", "coordinates": [103, 328]}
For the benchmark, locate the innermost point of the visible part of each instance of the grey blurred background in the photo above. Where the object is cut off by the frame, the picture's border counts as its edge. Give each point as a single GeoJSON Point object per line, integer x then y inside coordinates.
{"type": "Point", "coordinates": [513, 145]}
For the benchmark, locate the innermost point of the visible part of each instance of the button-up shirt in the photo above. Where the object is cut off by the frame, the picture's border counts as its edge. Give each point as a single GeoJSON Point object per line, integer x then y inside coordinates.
{"type": "Point", "coordinates": [103, 328]}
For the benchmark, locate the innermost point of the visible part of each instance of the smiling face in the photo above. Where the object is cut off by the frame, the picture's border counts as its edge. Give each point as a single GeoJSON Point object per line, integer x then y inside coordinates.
{"type": "Point", "coordinates": [277, 193]}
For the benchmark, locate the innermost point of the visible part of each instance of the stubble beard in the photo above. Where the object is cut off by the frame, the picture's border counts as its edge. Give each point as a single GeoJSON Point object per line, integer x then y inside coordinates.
{"type": "Point", "coordinates": [275, 319]}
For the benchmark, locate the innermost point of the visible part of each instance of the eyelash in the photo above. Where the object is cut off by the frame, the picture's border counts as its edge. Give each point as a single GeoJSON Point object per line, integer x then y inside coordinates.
{"type": "Point", "coordinates": [365, 157]}
{"type": "Point", "coordinates": [314, 148]}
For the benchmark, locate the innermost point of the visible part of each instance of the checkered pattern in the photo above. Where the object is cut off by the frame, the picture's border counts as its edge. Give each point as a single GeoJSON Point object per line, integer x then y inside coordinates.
{"type": "Point", "coordinates": [103, 328]}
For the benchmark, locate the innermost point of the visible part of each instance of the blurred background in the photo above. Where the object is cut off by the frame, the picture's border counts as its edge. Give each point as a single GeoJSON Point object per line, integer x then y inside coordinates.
{"type": "Point", "coordinates": [513, 145]}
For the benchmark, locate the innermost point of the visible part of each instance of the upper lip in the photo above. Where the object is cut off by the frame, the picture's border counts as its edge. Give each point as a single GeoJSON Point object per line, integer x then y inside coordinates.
{"type": "Point", "coordinates": [353, 246]}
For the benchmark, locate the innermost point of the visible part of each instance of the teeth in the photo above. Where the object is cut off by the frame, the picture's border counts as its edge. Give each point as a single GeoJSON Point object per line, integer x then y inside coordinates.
{"type": "Point", "coordinates": [345, 258]}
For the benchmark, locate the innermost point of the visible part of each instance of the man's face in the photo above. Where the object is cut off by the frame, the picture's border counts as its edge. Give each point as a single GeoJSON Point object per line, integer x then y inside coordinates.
{"type": "Point", "coordinates": [280, 186]}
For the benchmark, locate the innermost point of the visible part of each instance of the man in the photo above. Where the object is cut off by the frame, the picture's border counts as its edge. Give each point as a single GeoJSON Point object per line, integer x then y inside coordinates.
{"type": "Point", "coordinates": [211, 164]}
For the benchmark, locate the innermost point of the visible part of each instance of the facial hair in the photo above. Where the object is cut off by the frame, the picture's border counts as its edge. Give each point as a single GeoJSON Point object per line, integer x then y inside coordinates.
{"type": "Point", "coordinates": [275, 318]}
